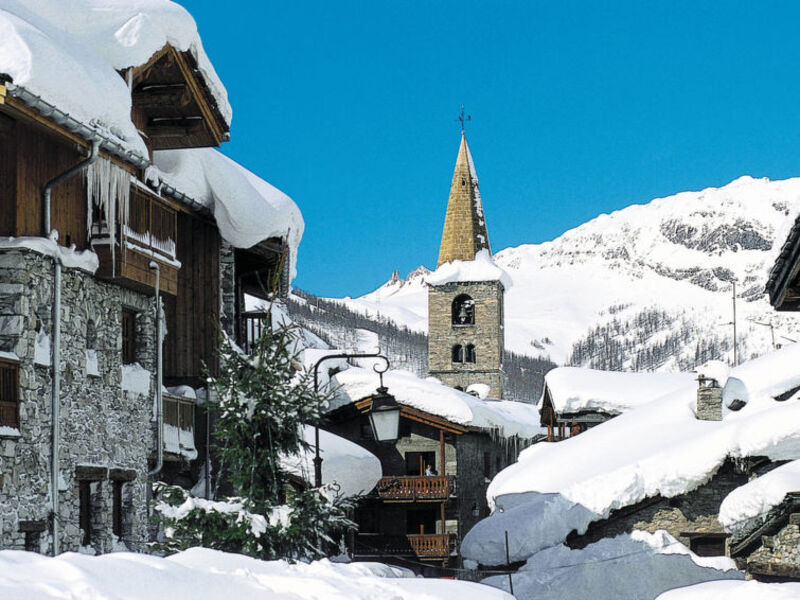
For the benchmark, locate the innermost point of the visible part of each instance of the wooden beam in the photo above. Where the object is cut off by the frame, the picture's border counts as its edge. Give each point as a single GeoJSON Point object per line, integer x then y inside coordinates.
{"type": "Point", "coordinates": [200, 97]}
{"type": "Point", "coordinates": [2, 94]}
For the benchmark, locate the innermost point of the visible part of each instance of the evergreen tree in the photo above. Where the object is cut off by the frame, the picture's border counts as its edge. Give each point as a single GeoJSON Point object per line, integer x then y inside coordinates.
{"type": "Point", "coordinates": [262, 405]}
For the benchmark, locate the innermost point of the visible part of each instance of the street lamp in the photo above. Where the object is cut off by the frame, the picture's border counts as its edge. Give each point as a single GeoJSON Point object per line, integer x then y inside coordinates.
{"type": "Point", "coordinates": [317, 457]}
{"type": "Point", "coordinates": [384, 414]}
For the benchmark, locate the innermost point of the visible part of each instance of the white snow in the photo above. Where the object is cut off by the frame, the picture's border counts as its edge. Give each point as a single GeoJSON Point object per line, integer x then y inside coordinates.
{"type": "Point", "coordinates": [430, 395]}
{"type": "Point", "coordinates": [69, 56]}
{"type": "Point", "coordinates": [86, 260]}
{"type": "Point", "coordinates": [92, 367]}
{"type": "Point", "coordinates": [734, 590]}
{"type": "Point", "coordinates": [658, 449]}
{"type": "Point", "coordinates": [481, 390]}
{"type": "Point", "coordinates": [210, 574]}
{"type": "Point", "coordinates": [752, 501]}
{"type": "Point", "coordinates": [179, 441]}
{"type": "Point", "coordinates": [573, 389]}
{"type": "Point", "coordinates": [482, 268]}
{"type": "Point", "coordinates": [12, 432]}
{"type": "Point", "coordinates": [183, 391]}
{"type": "Point", "coordinates": [41, 349]}
{"type": "Point", "coordinates": [136, 379]}
{"type": "Point", "coordinates": [248, 210]}
{"type": "Point", "coordinates": [636, 566]}
{"type": "Point", "coordinates": [350, 467]}
{"type": "Point", "coordinates": [9, 355]}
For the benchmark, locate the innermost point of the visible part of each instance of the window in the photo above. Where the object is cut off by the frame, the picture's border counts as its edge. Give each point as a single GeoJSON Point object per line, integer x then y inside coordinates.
{"type": "Point", "coordinates": [85, 518]}
{"type": "Point", "coordinates": [458, 353]}
{"type": "Point", "coordinates": [9, 394]}
{"type": "Point", "coordinates": [116, 516]}
{"type": "Point", "coordinates": [417, 462]}
{"type": "Point", "coordinates": [708, 545]}
{"type": "Point", "coordinates": [463, 310]}
{"type": "Point", "coordinates": [128, 336]}
{"type": "Point", "coordinates": [469, 355]}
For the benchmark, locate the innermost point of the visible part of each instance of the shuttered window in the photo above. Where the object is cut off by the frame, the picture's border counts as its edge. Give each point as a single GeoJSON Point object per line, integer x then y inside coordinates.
{"type": "Point", "coordinates": [9, 394]}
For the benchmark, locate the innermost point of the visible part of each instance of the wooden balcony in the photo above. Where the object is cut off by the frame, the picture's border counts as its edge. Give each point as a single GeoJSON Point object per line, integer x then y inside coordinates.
{"type": "Point", "coordinates": [149, 235]}
{"type": "Point", "coordinates": [415, 488]}
{"type": "Point", "coordinates": [428, 545]}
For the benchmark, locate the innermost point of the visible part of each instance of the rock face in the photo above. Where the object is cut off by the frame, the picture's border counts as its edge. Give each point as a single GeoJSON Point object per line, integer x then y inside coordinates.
{"type": "Point", "coordinates": [106, 432]}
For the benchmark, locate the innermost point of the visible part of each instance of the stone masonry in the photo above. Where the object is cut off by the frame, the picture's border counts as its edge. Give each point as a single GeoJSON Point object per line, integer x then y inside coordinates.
{"type": "Point", "coordinates": [107, 433]}
{"type": "Point", "coordinates": [486, 334]}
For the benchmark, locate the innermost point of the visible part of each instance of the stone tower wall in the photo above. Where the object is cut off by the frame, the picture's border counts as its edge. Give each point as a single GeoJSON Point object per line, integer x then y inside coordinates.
{"type": "Point", "coordinates": [107, 432]}
{"type": "Point", "coordinates": [486, 334]}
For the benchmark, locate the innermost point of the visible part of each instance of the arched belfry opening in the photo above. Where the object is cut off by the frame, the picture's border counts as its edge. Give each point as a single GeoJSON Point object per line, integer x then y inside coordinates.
{"type": "Point", "coordinates": [463, 310]}
{"type": "Point", "coordinates": [458, 353]}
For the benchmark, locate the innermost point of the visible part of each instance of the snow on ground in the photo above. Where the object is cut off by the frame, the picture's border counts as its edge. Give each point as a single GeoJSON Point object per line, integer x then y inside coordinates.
{"type": "Point", "coordinates": [636, 566]}
{"type": "Point", "coordinates": [747, 504]}
{"type": "Point", "coordinates": [659, 448]}
{"type": "Point", "coordinates": [247, 209]}
{"type": "Point", "coordinates": [735, 590]}
{"type": "Point", "coordinates": [202, 574]}
{"type": "Point", "coordinates": [482, 268]}
{"type": "Point", "coordinates": [430, 395]}
{"type": "Point", "coordinates": [69, 56]}
{"type": "Point", "coordinates": [572, 389]}
{"type": "Point", "coordinates": [352, 468]}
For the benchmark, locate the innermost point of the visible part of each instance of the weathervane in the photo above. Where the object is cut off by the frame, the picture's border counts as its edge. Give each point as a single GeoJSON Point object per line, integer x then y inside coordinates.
{"type": "Point", "coordinates": [463, 119]}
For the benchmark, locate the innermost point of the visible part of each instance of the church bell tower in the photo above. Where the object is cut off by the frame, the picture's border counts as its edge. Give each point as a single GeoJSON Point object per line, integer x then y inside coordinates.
{"type": "Point", "coordinates": [465, 318]}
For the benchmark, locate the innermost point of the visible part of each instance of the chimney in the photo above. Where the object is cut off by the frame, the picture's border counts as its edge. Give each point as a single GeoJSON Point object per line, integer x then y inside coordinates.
{"type": "Point", "coordinates": [709, 399]}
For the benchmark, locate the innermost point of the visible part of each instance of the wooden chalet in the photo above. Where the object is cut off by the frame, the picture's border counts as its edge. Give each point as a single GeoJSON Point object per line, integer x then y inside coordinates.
{"type": "Point", "coordinates": [133, 222]}
{"type": "Point", "coordinates": [433, 488]}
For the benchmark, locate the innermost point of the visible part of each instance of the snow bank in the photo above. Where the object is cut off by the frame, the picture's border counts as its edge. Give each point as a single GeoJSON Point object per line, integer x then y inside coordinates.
{"type": "Point", "coordinates": [735, 590]}
{"type": "Point", "coordinates": [752, 501]}
{"type": "Point", "coordinates": [136, 379]}
{"type": "Point", "coordinates": [248, 210]}
{"type": "Point", "coordinates": [573, 389]}
{"type": "Point", "coordinates": [86, 260]}
{"type": "Point", "coordinates": [482, 268]}
{"type": "Point", "coordinates": [210, 574]}
{"type": "Point", "coordinates": [658, 449]}
{"type": "Point", "coordinates": [430, 395]}
{"type": "Point", "coordinates": [636, 566]}
{"type": "Point", "coordinates": [69, 56]}
{"type": "Point", "coordinates": [344, 463]}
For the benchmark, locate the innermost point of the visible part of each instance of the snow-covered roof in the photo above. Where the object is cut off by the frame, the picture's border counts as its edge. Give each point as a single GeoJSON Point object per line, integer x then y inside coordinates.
{"type": "Point", "coordinates": [745, 505]}
{"type": "Point", "coordinates": [345, 463]}
{"type": "Point", "coordinates": [247, 209]}
{"type": "Point", "coordinates": [215, 575]}
{"type": "Point", "coordinates": [68, 55]}
{"type": "Point", "coordinates": [658, 449]}
{"type": "Point", "coordinates": [734, 590]}
{"type": "Point", "coordinates": [573, 389]}
{"type": "Point", "coordinates": [482, 268]}
{"type": "Point", "coordinates": [430, 395]}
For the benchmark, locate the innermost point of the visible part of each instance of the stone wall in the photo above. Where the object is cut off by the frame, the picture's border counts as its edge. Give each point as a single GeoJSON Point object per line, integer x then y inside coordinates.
{"type": "Point", "coordinates": [692, 513]}
{"type": "Point", "coordinates": [779, 554]}
{"type": "Point", "coordinates": [106, 433]}
{"type": "Point", "coordinates": [486, 334]}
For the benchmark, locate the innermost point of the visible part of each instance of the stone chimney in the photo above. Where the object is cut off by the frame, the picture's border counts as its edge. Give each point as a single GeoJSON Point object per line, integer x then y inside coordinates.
{"type": "Point", "coordinates": [709, 399]}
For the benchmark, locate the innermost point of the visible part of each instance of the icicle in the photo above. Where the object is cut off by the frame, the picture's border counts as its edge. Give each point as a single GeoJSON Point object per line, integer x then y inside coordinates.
{"type": "Point", "coordinates": [108, 187]}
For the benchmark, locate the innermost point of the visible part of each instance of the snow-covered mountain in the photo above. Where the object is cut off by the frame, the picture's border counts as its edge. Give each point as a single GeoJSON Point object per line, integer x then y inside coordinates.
{"type": "Point", "coordinates": [646, 287]}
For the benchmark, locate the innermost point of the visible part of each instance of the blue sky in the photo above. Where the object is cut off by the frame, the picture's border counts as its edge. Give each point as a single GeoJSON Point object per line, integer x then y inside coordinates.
{"type": "Point", "coordinates": [578, 108]}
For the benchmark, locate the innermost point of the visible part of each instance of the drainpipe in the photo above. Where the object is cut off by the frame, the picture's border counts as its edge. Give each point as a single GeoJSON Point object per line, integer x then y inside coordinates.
{"type": "Point", "coordinates": [159, 377]}
{"type": "Point", "coordinates": [55, 350]}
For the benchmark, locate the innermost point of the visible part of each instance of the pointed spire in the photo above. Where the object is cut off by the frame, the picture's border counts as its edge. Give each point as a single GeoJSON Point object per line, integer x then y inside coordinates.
{"type": "Point", "coordinates": [464, 232]}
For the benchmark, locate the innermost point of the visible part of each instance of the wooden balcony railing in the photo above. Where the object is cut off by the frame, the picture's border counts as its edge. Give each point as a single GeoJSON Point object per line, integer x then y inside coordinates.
{"type": "Point", "coordinates": [424, 546]}
{"type": "Point", "coordinates": [427, 545]}
{"type": "Point", "coordinates": [415, 488]}
{"type": "Point", "coordinates": [179, 427]}
{"type": "Point", "coordinates": [253, 322]}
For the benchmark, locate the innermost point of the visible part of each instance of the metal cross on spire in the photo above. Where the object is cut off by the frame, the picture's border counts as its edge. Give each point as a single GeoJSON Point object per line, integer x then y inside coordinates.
{"type": "Point", "coordinates": [463, 119]}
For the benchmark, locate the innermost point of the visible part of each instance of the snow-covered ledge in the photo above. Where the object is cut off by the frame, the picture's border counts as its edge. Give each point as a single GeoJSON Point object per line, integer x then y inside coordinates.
{"type": "Point", "coordinates": [85, 260]}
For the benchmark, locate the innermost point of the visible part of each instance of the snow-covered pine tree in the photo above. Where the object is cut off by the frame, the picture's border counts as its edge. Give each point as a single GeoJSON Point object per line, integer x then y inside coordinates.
{"type": "Point", "coordinates": [262, 405]}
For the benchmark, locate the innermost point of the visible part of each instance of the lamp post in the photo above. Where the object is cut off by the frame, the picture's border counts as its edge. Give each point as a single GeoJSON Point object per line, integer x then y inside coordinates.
{"type": "Point", "coordinates": [317, 457]}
